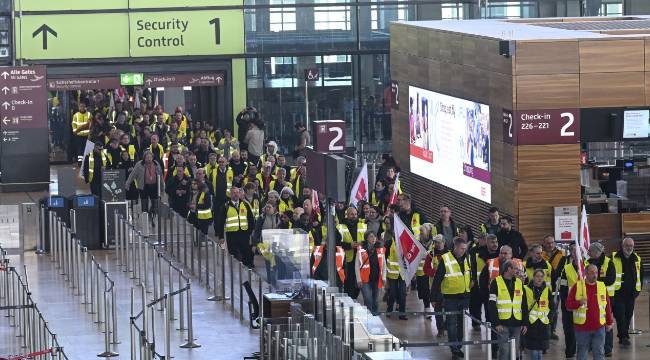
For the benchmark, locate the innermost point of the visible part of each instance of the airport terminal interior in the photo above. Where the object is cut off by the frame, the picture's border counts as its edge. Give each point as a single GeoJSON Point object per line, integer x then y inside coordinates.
{"type": "Point", "coordinates": [324, 180]}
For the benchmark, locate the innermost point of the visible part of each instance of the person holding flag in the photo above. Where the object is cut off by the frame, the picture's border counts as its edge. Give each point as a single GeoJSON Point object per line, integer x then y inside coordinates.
{"type": "Point", "coordinates": [403, 261]}
{"type": "Point", "coordinates": [360, 189]}
{"type": "Point", "coordinates": [413, 218]}
{"type": "Point", "coordinates": [592, 314]}
{"type": "Point", "coordinates": [453, 278]}
{"type": "Point", "coordinates": [606, 275]}
{"type": "Point", "coordinates": [350, 233]}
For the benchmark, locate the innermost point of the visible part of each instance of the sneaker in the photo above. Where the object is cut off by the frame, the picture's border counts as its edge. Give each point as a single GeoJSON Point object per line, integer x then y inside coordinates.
{"type": "Point", "coordinates": [625, 342]}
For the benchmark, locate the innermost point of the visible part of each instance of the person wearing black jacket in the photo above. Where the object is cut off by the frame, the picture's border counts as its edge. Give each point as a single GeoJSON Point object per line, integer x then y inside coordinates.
{"type": "Point", "coordinates": [127, 165]}
{"type": "Point", "coordinates": [455, 289]}
{"type": "Point", "coordinates": [477, 263]}
{"type": "Point", "coordinates": [447, 227]}
{"type": "Point", "coordinates": [203, 202]}
{"type": "Point", "coordinates": [237, 230]}
{"type": "Point", "coordinates": [93, 165]}
{"type": "Point", "coordinates": [606, 274]}
{"type": "Point", "coordinates": [178, 189]}
{"type": "Point", "coordinates": [410, 216]}
{"type": "Point", "coordinates": [627, 287]}
{"type": "Point", "coordinates": [509, 325]}
{"type": "Point", "coordinates": [513, 238]}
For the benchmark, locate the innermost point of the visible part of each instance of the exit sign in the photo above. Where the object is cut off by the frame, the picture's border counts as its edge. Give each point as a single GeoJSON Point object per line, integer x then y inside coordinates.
{"type": "Point", "coordinates": [132, 79]}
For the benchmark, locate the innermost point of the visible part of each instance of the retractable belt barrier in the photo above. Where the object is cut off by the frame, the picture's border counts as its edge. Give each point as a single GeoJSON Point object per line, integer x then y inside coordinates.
{"type": "Point", "coordinates": [25, 317]}
{"type": "Point", "coordinates": [87, 278]}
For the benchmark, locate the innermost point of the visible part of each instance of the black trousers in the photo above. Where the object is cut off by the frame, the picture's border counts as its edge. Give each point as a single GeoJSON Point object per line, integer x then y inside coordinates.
{"type": "Point", "coordinates": [623, 308]}
{"type": "Point", "coordinates": [569, 332]}
{"type": "Point", "coordinates": [350, 285]}
{"type": "Point", "coordinates": [475, 304]}
{"type": "Point", "coordinates": [149, 195]}
{"type": "Point", "coordinates": [238, 243]}
{"type": "Point", "coordinates": [396, 293]}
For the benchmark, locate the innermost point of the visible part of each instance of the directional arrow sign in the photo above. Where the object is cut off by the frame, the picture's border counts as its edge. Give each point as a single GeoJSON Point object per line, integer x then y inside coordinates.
{"type": "Point", "coordinates": [5, 105]}
{"type": "Point", "coordinates": [44, 29]}
{"type": "Point", "coordinates": [5, 90]}
{"type": "Point", "coordinates": [125, 79]}
{"type": "Point", "coordinates": [5, 75]}
{"type": "Point", "coordinates": [5, 120]}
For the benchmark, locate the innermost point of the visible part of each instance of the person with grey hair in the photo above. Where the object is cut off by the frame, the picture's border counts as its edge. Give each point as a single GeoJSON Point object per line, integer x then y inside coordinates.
{"type": "Point", "coordinates": [606, 274]}
{"type": "Point", "coordinates": [629, 278]}
{"type": "Point", "coordinates": [536, 261]}
{"type": "Point", "coordinates": [507, 308]}
{"type": "Point", "coordinates": [147, 175]}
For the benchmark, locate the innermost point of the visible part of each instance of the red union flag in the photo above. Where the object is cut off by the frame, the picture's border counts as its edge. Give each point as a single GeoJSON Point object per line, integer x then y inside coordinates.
{"type": "Point", "coordinates": [360, 188]}
{"type": "Point", "coordinates": [585, 240]}
{"type": "Point", "coordinates": [314, 202]}
{"type": "Point", "coordinates": [409, 251]}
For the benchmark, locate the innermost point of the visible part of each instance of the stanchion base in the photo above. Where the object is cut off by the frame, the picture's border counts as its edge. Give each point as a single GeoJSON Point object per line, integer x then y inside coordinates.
{"type": "Point", "coordinates": [190, 345]}
{"type": "Point", "coordinates": [116, 343]}
{"type": "Point", "coordinates": [40, 252]}
{"type": "Point", "coordinates": [107, 354]}
{"type": "Point", "coordinates": [217, 298]}
{"type": "Point", "coordinates": [635, 332]}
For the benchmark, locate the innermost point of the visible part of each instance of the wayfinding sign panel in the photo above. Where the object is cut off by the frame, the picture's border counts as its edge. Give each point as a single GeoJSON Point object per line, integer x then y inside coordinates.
{"type": "Point", "coordinates": [113, 32]}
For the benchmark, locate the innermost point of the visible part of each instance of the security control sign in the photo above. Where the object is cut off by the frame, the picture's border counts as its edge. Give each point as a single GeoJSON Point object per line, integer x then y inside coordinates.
{"type": "Point", "coordinates": [129, 33]}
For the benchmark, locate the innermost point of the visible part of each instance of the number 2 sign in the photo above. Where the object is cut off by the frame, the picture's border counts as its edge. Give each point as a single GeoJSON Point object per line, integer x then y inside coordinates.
{"type": "Point", "coordinates": [329, 136]}
{"type": "Point", "coordinates": [541, 127]}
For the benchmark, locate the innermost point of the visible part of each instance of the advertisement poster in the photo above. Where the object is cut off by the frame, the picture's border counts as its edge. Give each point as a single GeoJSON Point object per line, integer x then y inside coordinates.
{"type": "Point", "coordinates": [450, 142]}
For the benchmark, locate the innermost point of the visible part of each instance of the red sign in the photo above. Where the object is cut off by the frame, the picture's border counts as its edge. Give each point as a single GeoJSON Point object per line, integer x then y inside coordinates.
{"type": "Point", "coordinates": [180, 80]}
{"type": "Point", "coordinates": [540, 127]}
{"type": "Point", "coordinates": [23, 99]}
{"type": "Point", "coordinates": [84, 83]}
{"type": "Point", "coordinates": [329, 136]}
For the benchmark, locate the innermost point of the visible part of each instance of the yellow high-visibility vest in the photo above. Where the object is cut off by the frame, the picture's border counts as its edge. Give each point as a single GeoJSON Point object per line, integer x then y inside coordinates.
{"type": "Point", "coordinates": [618, 265]}
{"type": "Point", "coordinates": [547, 273]}
{"type": "Point", "coordinates": [236, 217]}
{"type": "Point", "coordinates": [204, 214]}
{"type": "Point", "coordinates": [538, 310]}
{"type": "Point", "coordinates": [455, 281]}
{"type": "Point", "coordinates": [347, 237]}
{"type": "Point", "coordinates": [91, 164]}
{"type": "Point", "coordinates": [507, 306]}
{"type": "Point", "coordinates": [80, 120]}
{"type": "Point", "coordinates": [580, 315]}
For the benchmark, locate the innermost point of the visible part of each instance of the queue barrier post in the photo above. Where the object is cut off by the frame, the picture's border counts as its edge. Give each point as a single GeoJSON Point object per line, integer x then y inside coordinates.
{"type": "Point", "coordinates": [191, 343]}
{"type": "Point", "coordinates": [181, 305]}
{"type": "Point", "coordinates": [513, 349]}
{"type": "Point", "coordinates": [488, 337]}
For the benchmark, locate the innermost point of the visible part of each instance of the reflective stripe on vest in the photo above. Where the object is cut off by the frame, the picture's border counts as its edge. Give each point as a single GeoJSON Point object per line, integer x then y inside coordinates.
{"type": "Point", "coordinates": [340, 255]}
{"type": "Point", "coordinates": [347, 237]}
{"type": "Point", "coordinates": [205, 214]}
{"type": "Point", "coordinates": [603, 273]}
{"type": "Point", "coordinates": [580, 314]}
{"type": "Point", "coordinates": [571, 276]}
{"type": "Point", "coordinates": [364, 268]}
{"type": "Point", "coordinates": [91, 164]}
{"type": "Point", "coordinates": [236, 218]}
{"type": "Point", "coordinates": [618, 266]}
{"type": "Point", "coordinates": [392, 263]}
{"type": "Point", "coordinates": [540, 309]}
{"type": "Point", "coordinates": [455, 281]}
{"type": "Point", "coordinates": [507, 306]}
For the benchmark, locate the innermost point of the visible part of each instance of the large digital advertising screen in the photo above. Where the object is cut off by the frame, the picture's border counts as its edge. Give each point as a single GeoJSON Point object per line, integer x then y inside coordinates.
{"type": "Point", "coordinates": [450, 142]}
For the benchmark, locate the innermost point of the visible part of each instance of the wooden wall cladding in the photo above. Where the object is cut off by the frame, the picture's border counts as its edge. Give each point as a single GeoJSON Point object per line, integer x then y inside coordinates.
{"type": "Point", "coordinates": [612, 89]}
{"type": "Point", "coordinates": [605, 227]}
{"type": "Point", "coordinates": [602, 56]}
{"type": "Point", "coordinates": [543, 58]}
{"type": "Point", "coordinates": [555, 91]}
{"type": "Point", "coordinates": [548, 161]}
{"type": "Point", "coordinates": [534, 226]}
{"type": "Point", "coordinates": [647, 87]}
{"type": "Point", "coordinates": [543, 195]}
{"type": "Point", "coordinates": [635, 224]}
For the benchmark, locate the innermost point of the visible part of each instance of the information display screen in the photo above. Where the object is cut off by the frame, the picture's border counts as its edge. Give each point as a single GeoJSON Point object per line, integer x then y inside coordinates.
{"type": "Point", "coordinates": [450, 142]}
{"type": "Point", "coordinates": [636, 124]}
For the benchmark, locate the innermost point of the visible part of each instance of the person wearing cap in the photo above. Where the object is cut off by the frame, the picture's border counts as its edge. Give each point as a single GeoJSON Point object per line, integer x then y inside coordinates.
{"type": "Point", "coordinates": [227, 144]}
{"type": "Point", "coordinates": [606, 275]}
{"type": "Point", "coordinates": [627, 287]}
{"type": "Point", "coordinates": [350, 232]}
{"type": "Point", "coordinates": [592, 313]}
{"type": "Point", "coordinates": [271, 150]}
{"type": "Point", "coordinates": [93, 165]}
{"type": "Point", "coordinates": [508, 308]}
{"type": "Point", "coordinates": [302, 140]}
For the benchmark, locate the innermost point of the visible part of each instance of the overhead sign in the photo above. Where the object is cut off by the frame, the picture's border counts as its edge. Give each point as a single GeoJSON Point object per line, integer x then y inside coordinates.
{"type": "Point", "coordinates": [127, 79]}
{"type": "Point", "coordinates": [553, 126]}
{"type": "Point", "coordinates": [66, 5]}
{"type": "Point", "coordinates": [83, 83]}
{"type": "Point", "coordinates": [312, 74]}
{"type": "Point", "coordinates": [508, 127]}
{"type": "Point", "coordinates": [180, 80]}
{"type": "Point", "coordinates": [566, 223]}
{"type": "Point", "coordinates": [135, 34]}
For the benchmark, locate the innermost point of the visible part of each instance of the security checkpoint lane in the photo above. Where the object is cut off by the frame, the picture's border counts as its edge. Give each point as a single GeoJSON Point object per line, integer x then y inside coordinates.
{"type": "Point", "coordinates": [215, 325]}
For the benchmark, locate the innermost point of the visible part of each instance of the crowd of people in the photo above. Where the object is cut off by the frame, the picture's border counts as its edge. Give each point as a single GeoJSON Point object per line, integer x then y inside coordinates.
{"type": "Point", "coordinates": [239, 186]}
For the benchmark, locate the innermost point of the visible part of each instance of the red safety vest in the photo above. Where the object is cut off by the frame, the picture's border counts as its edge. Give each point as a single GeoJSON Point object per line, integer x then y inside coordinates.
{"type": "Point", "coordinates": [340, 258]}
{"type": "Point", "coordinates": [364, 269]}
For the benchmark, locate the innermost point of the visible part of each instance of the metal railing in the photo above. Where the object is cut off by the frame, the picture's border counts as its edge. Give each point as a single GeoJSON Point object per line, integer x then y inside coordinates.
{"type": "Point", "coordinates": [86, 277]}
{"type": "Point", "coordinates": [23, 314]}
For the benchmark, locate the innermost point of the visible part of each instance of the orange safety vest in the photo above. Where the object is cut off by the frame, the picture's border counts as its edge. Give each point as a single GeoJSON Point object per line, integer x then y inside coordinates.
{"type": "Point", "coordinates": [340, 257]}
{"type": "Point", "coordinates": [494, 268]}
{"type": "Point", "coordinates": [365, 265]}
